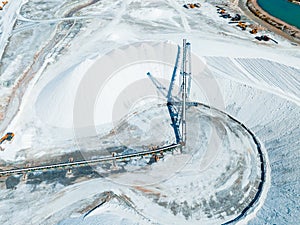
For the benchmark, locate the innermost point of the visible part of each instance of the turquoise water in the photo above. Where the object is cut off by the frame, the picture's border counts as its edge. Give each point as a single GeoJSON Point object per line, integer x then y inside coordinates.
{"type": "Point", "coordinates": [282, 9]}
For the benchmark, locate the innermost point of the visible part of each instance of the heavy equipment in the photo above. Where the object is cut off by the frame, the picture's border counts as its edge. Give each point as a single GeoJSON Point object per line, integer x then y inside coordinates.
{"type": "Point", "coordinates": [253, 31]}
{"type": "Point", "coordinates": [2, 4]}
{"type": "Point", "coordinates": [265, 38]}
{"type": "Point", "coordinates": [242, 25]}
{"type": "Point", "coordinates": [7, 137]}
{"type": "Point", "coordinates": [192, 5]}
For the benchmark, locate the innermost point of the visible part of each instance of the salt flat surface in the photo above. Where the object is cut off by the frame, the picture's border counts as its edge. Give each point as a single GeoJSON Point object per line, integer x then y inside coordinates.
{"type": "Point", "coordinates": [256, 83]}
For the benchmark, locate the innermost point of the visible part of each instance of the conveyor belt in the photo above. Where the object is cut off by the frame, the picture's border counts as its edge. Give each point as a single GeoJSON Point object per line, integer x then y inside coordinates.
{"type": "Point", "coordinates": [87, 162]}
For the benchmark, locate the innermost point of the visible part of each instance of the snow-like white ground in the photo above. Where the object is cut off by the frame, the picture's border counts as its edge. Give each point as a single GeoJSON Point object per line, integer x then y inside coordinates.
{"type": "Point", "coordinates": [91, 66]}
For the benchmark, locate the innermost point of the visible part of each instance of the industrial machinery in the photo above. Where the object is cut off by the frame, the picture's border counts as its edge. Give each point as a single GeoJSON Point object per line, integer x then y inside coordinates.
{"type": "Point", "coordinates": [265, 38]}
{"type": "Point", "coordinates": [2, 4]}
{"type": "Point", "coordinates": [192, 5]}
{"type": "Point", "coordinates": [253, 31]}
{"type": "Point", "coordinates": [7, 137]}
{"type": "Point", "coordinates": [242, 25]}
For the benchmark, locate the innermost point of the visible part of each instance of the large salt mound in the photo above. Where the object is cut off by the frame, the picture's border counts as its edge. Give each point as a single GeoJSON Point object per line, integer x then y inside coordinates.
{"type": "Point", "coordinates": [103, 90]}
{"type": "Point", "coordinates": [55, 102]}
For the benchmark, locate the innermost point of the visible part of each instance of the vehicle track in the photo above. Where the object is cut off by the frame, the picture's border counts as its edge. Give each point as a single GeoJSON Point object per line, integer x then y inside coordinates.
{"type": "Point", "coordinates": [167, 148]}
{"type": "Point", "coordinates": [39, 63]}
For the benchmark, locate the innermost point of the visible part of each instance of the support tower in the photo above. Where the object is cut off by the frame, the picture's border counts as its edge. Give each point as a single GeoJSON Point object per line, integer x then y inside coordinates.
{"type": "Point", "coordinates": [186, 72]}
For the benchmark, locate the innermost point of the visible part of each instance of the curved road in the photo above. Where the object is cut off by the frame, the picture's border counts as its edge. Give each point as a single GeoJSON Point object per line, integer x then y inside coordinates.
{"type": "Point", "coordinates": [158, 150]}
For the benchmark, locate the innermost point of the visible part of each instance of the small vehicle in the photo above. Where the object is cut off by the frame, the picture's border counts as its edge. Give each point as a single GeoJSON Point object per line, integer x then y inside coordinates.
{"type": "Point", "coordinates": [237, 17]}
{"type": "Point", "coordinates": [192, 5]}
{"type": "Point", "coordinates": [226, 16]}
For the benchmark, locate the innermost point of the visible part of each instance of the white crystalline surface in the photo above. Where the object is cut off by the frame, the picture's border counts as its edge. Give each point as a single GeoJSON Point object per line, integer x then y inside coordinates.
{"type": "Point", "coordinates": [73, 83]}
